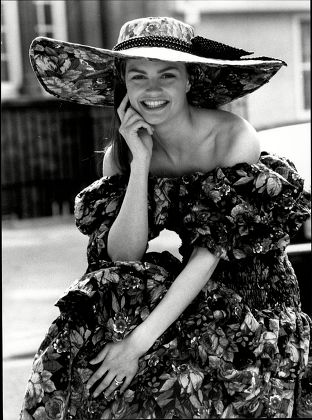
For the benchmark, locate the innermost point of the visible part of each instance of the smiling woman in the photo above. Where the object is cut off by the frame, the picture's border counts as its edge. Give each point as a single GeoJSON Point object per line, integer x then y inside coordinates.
{"type": "Point", "coordinates": [157, 86]}
{"type": "Point", "coordinates": [151, 86]}
{"type": "Point", "coordinates": [219, 332]}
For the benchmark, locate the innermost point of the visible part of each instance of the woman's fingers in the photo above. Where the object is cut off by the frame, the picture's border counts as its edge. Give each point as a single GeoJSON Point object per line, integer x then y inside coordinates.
{"type": "Point", "coordinates": [122, 107]}
{"type": "Point", "coordinates": [149, 129]}
{"type": "Point", "coordinates": [100, 357]}
{"type": "Point", "coordinates": [113, 386]}
{"type": "Point", "coordinates": [127, 382]}
{"type": "Point", "coordinates": [133, 125]}
{"type": "Point", "coordinates": [136, 131]}
{"type": "Point", "coordinates": [136, 126]}
{"type": "Point", "coordinates": [97, 376]}
{"type": "Point", "coordinates": [104, 384]}
{"type": "Point", "coordinates": [129, 114]}
{"type": "Point", "coordinates": [120, 364]}
{"type": "Point", "coordinates": [130, 119]}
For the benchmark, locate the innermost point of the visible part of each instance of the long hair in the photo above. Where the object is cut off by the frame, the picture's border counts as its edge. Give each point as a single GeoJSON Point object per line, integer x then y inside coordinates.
{"type": "Point", "coordinates": [120, 148]}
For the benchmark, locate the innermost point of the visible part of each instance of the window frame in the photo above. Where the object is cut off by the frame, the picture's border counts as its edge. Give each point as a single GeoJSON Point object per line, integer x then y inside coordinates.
{"type": "Point", "coordinates": [9, 88]}
{"type": "Point", "coordinates": [299, 67]}
{"type": "Point", "coordinates": [58, 27]}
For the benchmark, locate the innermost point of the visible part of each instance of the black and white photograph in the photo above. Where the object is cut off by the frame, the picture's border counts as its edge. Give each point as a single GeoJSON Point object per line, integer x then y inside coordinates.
{"type": "Point", "coordinates": [156, 209]}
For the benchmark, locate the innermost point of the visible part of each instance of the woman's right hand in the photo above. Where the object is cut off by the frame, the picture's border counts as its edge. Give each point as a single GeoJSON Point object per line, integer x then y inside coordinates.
{"type": "Point", "coordinates": [136, 132]}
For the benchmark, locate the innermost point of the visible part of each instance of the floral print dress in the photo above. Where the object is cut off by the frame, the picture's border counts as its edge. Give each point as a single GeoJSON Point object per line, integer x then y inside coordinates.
{"type": "Point", "coordinates": [241, 347]}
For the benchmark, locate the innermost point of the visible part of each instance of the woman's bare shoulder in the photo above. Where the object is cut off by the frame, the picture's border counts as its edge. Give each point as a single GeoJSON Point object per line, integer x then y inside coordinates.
{"type": "Point", "coordinates": [109, 165]}
{"type": "Point", "coordinates": [234, 139]}
{"type": "Point", "coordinates": [237, 140]}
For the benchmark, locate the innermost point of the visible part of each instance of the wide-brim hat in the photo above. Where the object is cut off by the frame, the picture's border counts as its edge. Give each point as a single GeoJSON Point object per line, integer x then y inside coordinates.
{"type": "Point", "coordinates": [85, 74]}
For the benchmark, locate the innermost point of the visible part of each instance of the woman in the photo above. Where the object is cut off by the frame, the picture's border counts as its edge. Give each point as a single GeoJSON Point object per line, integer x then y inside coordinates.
{"type": "Point", "coordinates": [143, 334]}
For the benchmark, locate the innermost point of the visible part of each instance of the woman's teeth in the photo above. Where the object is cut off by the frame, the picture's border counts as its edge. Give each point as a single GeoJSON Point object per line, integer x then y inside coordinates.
{"type": "Point", "coordinates": [154, 104]}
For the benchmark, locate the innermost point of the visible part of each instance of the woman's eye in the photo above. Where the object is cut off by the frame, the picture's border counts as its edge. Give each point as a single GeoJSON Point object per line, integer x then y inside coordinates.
{"type": "Point", "coordinates": [168, 75]}
{"type": "Point", "coordinates": [138, 77]}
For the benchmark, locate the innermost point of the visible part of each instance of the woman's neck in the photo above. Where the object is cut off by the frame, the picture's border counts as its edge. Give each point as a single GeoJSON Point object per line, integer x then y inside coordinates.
{"type": "Point", "coordinates": [176, 137]}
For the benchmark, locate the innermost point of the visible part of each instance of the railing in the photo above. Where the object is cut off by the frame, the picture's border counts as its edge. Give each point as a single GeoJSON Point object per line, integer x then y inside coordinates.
{"type": "Point", "coordinates": [48, 151]}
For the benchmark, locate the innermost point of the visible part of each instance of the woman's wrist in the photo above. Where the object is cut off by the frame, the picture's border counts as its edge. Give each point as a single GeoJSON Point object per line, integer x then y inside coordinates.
{"type": "Point", "coordinates": [140, 167]}
{"type": "Point", "coordinates": [141, 160]}
{"type": "Point", "coordinates": [139, 170]}
{"type": "Point", "coordinates": [141, 339]}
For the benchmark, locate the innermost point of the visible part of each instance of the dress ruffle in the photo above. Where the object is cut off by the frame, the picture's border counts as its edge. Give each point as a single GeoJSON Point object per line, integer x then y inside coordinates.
{"type": "Point", "coordinates": [99, 203]}
{"type": "Point", "coordinates": [150, 278]}
{"type": "Point", "coordinates": [235, 212]}
{"type": "Point", "coordinates": [247, 209]}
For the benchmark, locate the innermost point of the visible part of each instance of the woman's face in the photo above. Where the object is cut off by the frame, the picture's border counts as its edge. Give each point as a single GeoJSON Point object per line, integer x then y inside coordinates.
{"type": "Point", "coordinates": [156, 89]}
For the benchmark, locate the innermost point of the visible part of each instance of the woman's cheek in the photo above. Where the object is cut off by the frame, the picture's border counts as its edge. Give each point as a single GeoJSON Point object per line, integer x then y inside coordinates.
{"type": "Point", "coordinates": [132, 92]}
{"type": "Point", "coordinates": [133, 97]}
{"type": "Point", "coordinates": [134, 103]}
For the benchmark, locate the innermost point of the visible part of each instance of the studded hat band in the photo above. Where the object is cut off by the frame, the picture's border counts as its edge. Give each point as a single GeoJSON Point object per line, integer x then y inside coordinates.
{"type": "Point", "coordinates": [199, 46]}
{"type": "Point", "coordinates": [154, 41]}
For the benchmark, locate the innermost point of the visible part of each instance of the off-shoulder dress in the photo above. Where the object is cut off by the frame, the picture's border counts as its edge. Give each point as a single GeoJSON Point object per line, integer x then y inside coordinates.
{"type": "Point", "coordinates": [241, 347]}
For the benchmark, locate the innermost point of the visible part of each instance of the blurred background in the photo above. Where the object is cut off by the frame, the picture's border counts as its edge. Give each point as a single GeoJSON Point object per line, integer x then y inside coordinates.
{"type": "Point", "coordinates": [51, 149]}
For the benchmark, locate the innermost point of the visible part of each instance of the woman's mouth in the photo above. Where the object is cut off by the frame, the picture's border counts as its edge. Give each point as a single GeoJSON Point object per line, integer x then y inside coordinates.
{"type": "Point", "coordinates": [154, 105]}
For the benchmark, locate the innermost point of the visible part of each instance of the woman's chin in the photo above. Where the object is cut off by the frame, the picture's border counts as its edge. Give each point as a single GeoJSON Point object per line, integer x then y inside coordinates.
{"type": "Point", "coordinates": [155, 118]}
{"type": "Point", "coordinates": [155, 121]}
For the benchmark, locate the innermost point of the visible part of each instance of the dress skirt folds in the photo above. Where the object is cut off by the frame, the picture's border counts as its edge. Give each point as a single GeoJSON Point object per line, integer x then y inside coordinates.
{"type": "Point", "coordinates": [239, 350]}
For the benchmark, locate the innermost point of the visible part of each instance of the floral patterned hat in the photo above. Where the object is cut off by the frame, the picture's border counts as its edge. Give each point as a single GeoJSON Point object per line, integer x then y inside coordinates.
{"type": "Point", "coordinates": [84, 74]}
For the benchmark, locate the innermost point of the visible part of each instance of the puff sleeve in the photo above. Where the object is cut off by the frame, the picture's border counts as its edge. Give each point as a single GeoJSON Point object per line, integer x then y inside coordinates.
{"type": "Point", "coordinates": [247, 209]}
{"type": "Point", "coordinates": [96, 208]}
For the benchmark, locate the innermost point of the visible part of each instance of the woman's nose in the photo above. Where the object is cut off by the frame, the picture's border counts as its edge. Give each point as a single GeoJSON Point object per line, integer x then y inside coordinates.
{"type": "Point", "coordinates": [153, 85]}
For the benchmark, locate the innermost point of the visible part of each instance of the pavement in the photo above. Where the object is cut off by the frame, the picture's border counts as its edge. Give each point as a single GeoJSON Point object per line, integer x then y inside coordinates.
{"type": "Point", "coordinates": [40, 258]}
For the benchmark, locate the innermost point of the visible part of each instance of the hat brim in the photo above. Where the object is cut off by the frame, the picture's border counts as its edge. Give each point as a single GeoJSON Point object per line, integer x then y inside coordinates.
{"type": "Point", "coordinates": [84, 74]}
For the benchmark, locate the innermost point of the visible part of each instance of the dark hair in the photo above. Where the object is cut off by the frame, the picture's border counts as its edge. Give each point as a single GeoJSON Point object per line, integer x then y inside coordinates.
{"type": "Point", "coordinates": [120, 148]}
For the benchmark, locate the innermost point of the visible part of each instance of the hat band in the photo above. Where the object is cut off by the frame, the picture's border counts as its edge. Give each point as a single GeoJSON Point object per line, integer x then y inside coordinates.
{"type": "Point", "coordinates": [199, 46]}
{"type": "Point", "coordinates": [155, 41]}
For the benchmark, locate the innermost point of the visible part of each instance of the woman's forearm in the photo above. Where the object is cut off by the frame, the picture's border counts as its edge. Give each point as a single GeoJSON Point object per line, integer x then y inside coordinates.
{"type": "Point", "coordinates": [128, 236]}
{"type": "Point", "coordinates": [181, 293]}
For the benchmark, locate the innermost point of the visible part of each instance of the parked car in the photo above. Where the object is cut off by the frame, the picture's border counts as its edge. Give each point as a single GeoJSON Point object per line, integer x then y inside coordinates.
{"type": "Point", "coordinates": [294, 142]}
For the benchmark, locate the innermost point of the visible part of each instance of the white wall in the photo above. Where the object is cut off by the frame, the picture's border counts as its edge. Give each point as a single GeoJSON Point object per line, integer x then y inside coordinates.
{"type": "Point", "coordinates": [269, 34]}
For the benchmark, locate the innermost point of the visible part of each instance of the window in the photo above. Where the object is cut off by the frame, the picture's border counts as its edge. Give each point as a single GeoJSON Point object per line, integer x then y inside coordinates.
{"type": "Point", "coordinates": [51, 19]}
{"type": "Point", "coordinates": [4, 49]}
{"type": "Point", "coordinates": [11, 69]}
{"type": "Point", "coordinates": [305, 63]}
{"type": "Point", "coordinates": [302, 66]}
